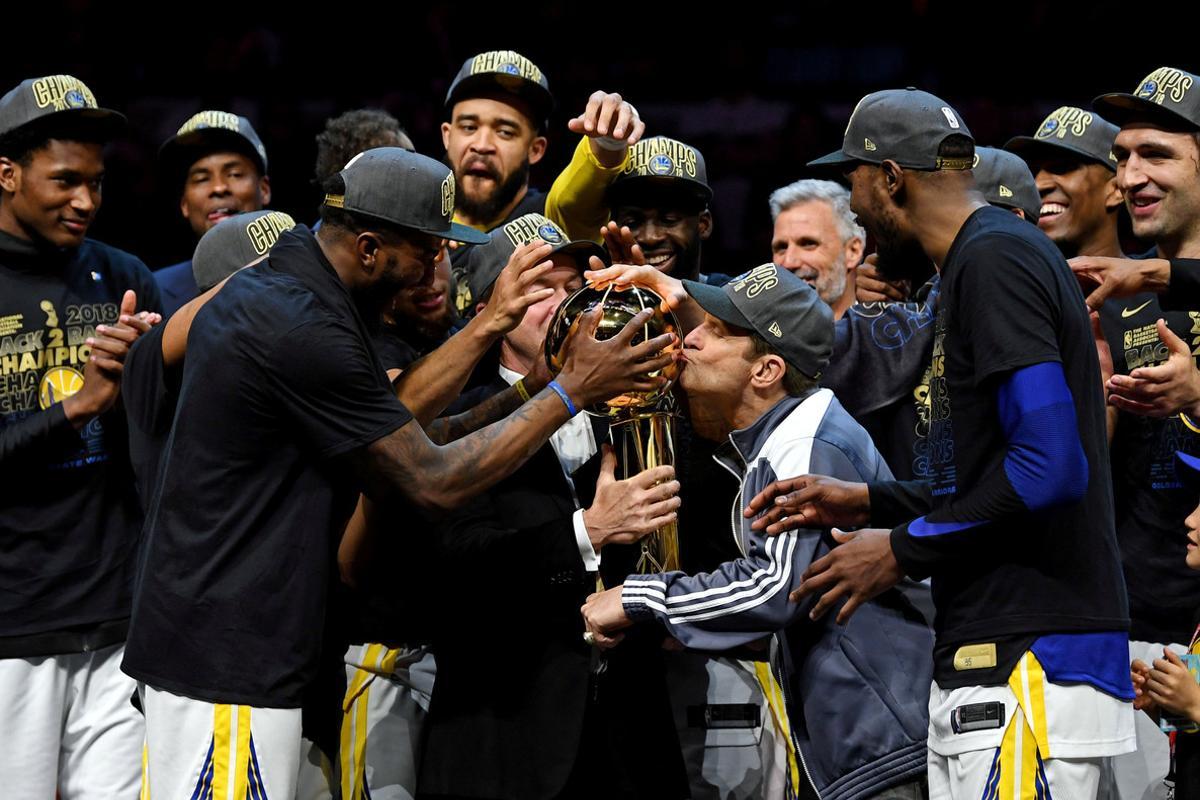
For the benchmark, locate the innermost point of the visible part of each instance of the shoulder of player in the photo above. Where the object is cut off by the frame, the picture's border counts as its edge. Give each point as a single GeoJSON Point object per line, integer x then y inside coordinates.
{"type": "Point", "coordinates": [93, 254]}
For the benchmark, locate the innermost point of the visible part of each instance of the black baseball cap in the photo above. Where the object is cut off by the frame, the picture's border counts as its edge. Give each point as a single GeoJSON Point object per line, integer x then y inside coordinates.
{"type": "Point", "coordinates": [1168, 96]}
{"type": "Point", "coordinates": [1074, 130]}
{"type": "Point", "coordinates": [234, 242]}
{"type": "Point", "coordinates": [904, 125]}
{"type": "Point", "coordinates": [404, 188]}
{"type": "Point", "coordinates": [485, 263]}
{"type": "Point", "coordinates": [1006, 181]}
{"type": "Point", "coordinates": [211, 132]}
{"type": "Point", "coordinates": [779, 307]}
{"type": "Point", "coordinates": [663, 162]}
{"type": "Point", "coordinates": [53, 99]}
{"type": "Point", "coordinates": [506, 71]}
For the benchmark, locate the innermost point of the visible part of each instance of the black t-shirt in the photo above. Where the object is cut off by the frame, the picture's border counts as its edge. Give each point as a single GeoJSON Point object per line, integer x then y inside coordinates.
{"type": "Point", "coordinates": [280, 380]}
{"type": "Point", "coordinates": [1151, 502]}
{"type": "Point", "coordinates": [69, 512]}
{"type": "Point", "coordinates": [150, 391]}
{"type": "Point", "coordinates": [1009, 301]}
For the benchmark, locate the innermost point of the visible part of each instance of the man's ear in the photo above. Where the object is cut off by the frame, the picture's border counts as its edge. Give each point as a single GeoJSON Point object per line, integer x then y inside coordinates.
{"type": "Point", "coordinates": [446, 136]}
{"type": "Point", "coordinates": [10, 175]}
{"type": "Point", "coordinates": [893, 177]}
{"type": "Point", "coordinates": [537, 149]}
{"type": "Point", "coordinates": [367, 246]}
{"type": "Point", "coordinates": [1113, 200]}
{"type": "Point", "coordinates": [854, 252]}
{"type": "Point", "coordinates": [264, 190]}
{"type": "Point", "coordinates": [705, 224]}
{"type": "Point", "coordinates": [767, 372]}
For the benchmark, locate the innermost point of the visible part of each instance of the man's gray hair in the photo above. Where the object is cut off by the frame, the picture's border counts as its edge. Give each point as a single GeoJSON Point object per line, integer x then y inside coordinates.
{"type": "Point", "coordinates": [810, 189]}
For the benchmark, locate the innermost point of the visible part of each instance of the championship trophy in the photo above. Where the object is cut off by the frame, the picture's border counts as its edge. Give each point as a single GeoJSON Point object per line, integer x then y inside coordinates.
{"type": "Point", "coordinates": [641, 424]}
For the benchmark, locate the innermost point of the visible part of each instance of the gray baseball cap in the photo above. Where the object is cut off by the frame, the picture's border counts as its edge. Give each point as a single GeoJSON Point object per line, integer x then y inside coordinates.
{"type": "Point", "coordinates": [904, 125]}
{"type": "Point", "coordinates": [506, 71]}
{"type": "Point", "coordinates": [663, 162]}
{"type": "Point", "coordinates": [405, 189]}
{"type": "Point", "coordinates": [211, 132]}
{"type": "Point", "coordinates": [63, 98]}
{"type": "Point", "coordinates": [1167, 95]}
{"type": "Point", "coordinates": [1072, 129]}
{"type": "Point", "coordinates": [234, 242]}
{"type": "Point", "coordinates": [779, 307]}
{"type": "Point", "coordinates": [485, 262]}
{"type": "Point", "coordinates": [1006, 181]}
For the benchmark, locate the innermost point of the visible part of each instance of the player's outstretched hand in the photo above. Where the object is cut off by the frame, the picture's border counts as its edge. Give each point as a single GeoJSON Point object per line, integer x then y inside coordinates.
{"type": "Point", "coordinates": [808, 501]}
{"type": "Point", "coordinates": [594, 371]}
{"type": "Point", "coordinates": [1102, 278]}
{"type": "Point", "coordinates": [860, 568]}
{"type": "Point", "coordinates": [612, 126]}
{"type": "Point", "coordinates": [515, 288]}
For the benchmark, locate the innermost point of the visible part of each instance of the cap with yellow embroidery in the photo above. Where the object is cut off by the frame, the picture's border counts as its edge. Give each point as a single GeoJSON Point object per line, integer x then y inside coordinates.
{"type": "Point", "coordinates": [54, 99]}
{"type": "Point", "coordinates": [781, 308]}
{"type": "Point", "coordinates": [211, 132]}
{"type": "Point", "coordinates": [1071, 129]}
{"type": "Point", "coordinates": [235, 242]}
{"type": "Point", "coordinates": [902, 125]}
{"type": "Point", "coordinates": [507, 72]}
{"type": "Point", "coordinates": [485, 263]}
{"type": "Point", "coordinates": [1006, 181]}
{"type": "Point", "coordinates": [1168, 96]}
{"type": "Point", "coordinates": [404, 188]}
{"type": "Point", "coordinates": [664, 162]}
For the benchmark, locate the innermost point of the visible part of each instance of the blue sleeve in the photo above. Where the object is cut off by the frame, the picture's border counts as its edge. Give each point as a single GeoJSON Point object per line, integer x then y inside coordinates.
{"type": "Point", "coordinates": [1044, 466]}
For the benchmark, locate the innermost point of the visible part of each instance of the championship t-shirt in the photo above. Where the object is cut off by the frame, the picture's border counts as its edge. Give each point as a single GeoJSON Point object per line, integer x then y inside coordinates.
{"type": "Point", "coordinates": [1009, 301]}
{"type": "Point", "coordinates": [69, 512]}
{"type": "Point", "coordinates": [1151, 501]}
{"type": "Point", "coordinates": [280, 380]}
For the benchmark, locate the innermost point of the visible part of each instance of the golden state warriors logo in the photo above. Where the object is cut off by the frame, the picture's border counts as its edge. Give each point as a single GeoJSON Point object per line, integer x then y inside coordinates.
{"type": "Point", "coordinates": [447, 194]}
{"type": "Point", "coordinates": [210, 119]}
{"type": "Point", "coordinates": [757, 280]}
{"type": "Point", "coordinates": [264, 231]}
{"type": "Point", "coordinates": [62, 92]}
{"type": "Point", "coordinates": [533, 227]}
{"type": "Point", "coordinates": [1065, 121]}
{"type": "Point", "coordinates": [58, 384]}
{"type": "Point", "coordinates": [1165, 83]}
{"type": "Point", "coordinates": [662, 157]}
{"type": "Point", "coordinates": [507, 62]}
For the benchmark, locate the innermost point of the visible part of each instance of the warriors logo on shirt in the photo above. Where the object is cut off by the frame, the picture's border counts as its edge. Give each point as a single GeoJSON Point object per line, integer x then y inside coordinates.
{"type": "Point", "coordinates": [58, 384]}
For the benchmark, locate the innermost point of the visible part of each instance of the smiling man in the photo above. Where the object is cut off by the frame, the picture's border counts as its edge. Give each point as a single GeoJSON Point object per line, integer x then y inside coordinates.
{"type": "Point", "coordinates": [69, 511]}
{"type": "Point", "coordinates": [817, 239]}
{"type": "Point", "coordinates": [220, 166]}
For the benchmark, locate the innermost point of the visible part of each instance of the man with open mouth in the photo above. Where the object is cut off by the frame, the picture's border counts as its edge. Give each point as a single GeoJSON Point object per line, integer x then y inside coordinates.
{"type": "Point", "coordinates": [220, 166]}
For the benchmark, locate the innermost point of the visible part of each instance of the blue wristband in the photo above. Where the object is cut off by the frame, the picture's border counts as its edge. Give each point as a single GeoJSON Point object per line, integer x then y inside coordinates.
{"type": "Point", "coordinates": [561, 392]}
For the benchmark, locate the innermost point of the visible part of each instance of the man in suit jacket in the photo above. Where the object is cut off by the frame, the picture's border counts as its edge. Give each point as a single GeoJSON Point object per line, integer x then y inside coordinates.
{"type": "Point", "coordinates": [531, 710]}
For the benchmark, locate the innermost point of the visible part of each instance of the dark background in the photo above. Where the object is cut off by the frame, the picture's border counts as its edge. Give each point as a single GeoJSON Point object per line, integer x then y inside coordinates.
{"type": "Point", "coordinates": [760, 89]}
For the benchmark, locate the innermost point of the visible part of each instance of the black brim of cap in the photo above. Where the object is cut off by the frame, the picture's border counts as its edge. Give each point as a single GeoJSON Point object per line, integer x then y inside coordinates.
{"type": "Point", "coordinates": [540, 99]}
{"type": "Point", "coordinates": [195, 144]}
{"type": "Point", "coordinates": [835, 159]}
{"type": "Point", "coordinates": [1121, 109]}
{"type": "Point", "coordinates": [460, 233]}
{"type": "Point", "coordinates": [102, 122]}
{"type": "Point", "coordinates": [1024, 145]}
{"type": "Point", "coordinates": [685, 186]}
{"type": "Point", "coordinates": [715, 301]}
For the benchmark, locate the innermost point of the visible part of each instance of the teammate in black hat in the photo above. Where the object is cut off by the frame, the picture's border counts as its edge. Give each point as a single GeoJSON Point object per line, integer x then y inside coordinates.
{"type": "Point", "coordinates": [69, 511]}
{"type": "Point", "coordinates": [1027, 503]}
{"type": "Point", "coordinates": [296, 415]}
{"type": "Point", "coordinates": [218, 166]}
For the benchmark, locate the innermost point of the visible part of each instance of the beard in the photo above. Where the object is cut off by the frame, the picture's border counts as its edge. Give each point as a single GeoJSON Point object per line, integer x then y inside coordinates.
{"type": "Point", "coordinates": [489, 207]}
{"type": "Point", "coordinates": [900, 259]}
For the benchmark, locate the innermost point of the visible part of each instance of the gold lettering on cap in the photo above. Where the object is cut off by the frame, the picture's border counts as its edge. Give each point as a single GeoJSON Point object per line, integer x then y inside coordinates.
{"type": "Point", "coordinates": [264, 231]}
{"type": "Point", "coordinates": [62, 92]}
{"type": "Point", "coordinates": [662, 157]}
{"type": "Point", "coordinates": [1064, 121]}
{"type": "Point", "coordinates": [1165, 83]}
{"type": "Point", "coordinates": [210, 119]}
{"type": "Point", "coordinates": [509, 62]}
{"type": "Point", "coordinates": [757, 280]}
{"type": "Point", "coordinates": [448, 195]}
{"type": "Point", "coordinates": [533, 227]}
